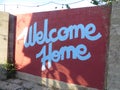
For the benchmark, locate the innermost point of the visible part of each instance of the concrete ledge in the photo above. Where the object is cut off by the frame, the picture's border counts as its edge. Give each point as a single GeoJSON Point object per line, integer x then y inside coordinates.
{"type": "Point", "coordinates": [50, 82]}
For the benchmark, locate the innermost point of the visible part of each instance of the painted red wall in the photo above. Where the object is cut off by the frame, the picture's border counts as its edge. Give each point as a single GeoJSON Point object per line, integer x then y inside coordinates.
{"type": "Point", "coordinates": [89, 72]}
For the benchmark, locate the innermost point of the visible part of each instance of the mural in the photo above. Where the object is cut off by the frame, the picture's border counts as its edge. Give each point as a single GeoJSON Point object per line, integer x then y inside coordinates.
{"type": "Point", "coordinates": [67, 45]}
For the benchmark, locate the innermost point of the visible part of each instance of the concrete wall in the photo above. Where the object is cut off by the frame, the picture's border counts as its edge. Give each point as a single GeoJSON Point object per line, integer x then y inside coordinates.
{"type": "Point", "coordinates": [113, 62]}
{"type": "Point", "coordinates": [113, 77]}
{"type": "Point", "coordinates": [11, 37]}
{"type": "Point", "coordinates": [4, 28]}
{"type": "Point", "coordinates": [26, 61]}
{"type": "Point", "coordinates": [7, 23]}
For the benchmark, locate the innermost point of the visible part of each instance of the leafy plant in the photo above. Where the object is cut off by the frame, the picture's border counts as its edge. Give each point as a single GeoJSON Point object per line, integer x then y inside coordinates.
{"type": "Point", "coordinates": [10, 70]}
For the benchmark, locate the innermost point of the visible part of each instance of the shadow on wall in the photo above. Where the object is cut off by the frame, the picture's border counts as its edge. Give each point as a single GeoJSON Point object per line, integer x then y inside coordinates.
{"type": "Point", "coordinates": [33, 46]}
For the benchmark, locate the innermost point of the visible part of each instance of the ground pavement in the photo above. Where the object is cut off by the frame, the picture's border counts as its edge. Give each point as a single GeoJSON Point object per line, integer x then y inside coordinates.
{"type": "Point", "coordinates": [19, 84]}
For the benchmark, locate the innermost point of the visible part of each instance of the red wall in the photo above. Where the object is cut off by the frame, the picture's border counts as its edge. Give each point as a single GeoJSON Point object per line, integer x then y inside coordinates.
{"type": "Point", "coordinates": [74, 59]}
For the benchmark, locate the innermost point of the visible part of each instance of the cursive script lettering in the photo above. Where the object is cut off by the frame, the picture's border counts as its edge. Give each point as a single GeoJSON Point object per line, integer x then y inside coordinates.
{"type": "Point", "coordinates": [80, 52]}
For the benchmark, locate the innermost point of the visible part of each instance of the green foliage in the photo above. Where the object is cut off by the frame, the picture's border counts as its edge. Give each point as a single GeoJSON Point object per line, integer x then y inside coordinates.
{"type": "Point", "coordinates": [95, 2]}
{"type": "Point", "coordinates": [99, 2]}
{"type": "Point", "coordinates": [10, 70]}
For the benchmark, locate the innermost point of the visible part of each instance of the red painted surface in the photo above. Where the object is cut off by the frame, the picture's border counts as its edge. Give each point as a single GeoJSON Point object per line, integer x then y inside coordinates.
{"type": "Point", "coordinates": [90, 73]}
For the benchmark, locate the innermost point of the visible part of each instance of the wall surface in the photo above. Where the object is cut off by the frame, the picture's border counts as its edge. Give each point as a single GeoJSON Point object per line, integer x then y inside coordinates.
{"type": "Point", "coordinates": [11, 38]}
{"type": "Point", "coordinates": [4, 30]}
{"type": "Point", "coordinates": [70, 46]}
{"type": "Point", "coordinates": [113, 77]}
{"type": "Point", "coordinates": [113, 62]}
{"type": "Point", "coordinates": [7, 28]}
{"type": "Point", "coordinates": [4, 27]}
